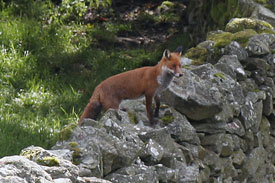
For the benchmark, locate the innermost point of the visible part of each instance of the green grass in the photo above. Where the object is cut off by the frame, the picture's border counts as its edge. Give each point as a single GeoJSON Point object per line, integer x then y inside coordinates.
{"type": "Point", "coordinates": [42, 83]}
{"type": "Point", "coordinates": [36, 99]}
{"type": "Point", "coordinates": [50, 64]}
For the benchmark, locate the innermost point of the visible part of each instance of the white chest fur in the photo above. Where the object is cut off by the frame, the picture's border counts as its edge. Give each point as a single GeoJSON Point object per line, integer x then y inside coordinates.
{"type": "Point", "coordinates": [164, 79]}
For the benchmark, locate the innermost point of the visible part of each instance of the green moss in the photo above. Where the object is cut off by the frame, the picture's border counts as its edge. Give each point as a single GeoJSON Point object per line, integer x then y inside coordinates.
{"type": "Point", "coordinates": [197, 54]}
{"type": "Point", "coordinates": [167, 119]}
{"type": "Point", "coordinates": [219, 36]}
{"type": "Point", "coordinates": [73, 144]}
{"type": "Point", "coordinates": [76, 155]}
{"type": "Point", "coordinates": [65, 134]}
{"type": "Point", "coordinates": [49, 161]}
{"type": "Point", "coordinates": [224, 38]}
{"type": "Point", "coordinates": [242, 37]}
{"type": "Point", "coordinates": [261, 1]}
{"type": "Point", "coordinates": [132, 117]}
{"type": "Point", "coordinates": [220, 75]}
{"type": "Point", "coordinates": [167, 3]}
{"type": "Point", "coordinates": [268, 31]}
{"type": "Point", "coordinates": [239, 24]}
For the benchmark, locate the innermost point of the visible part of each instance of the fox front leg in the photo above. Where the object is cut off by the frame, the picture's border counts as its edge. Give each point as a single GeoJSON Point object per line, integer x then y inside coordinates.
{"type": "Point", "coordinates": [157, 101]}
{"type": "Point", "coordinates": [153, 121]}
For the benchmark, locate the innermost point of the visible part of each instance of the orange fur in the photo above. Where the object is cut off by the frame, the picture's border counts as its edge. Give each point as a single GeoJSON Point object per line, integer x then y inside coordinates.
{"type": "Point", "coordinates": [148, 81]}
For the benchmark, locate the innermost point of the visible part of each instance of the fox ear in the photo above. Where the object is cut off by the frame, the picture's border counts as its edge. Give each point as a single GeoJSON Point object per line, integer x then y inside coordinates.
{"type": "Point", "coordinates": [167, 54]}
{"type": "Point", "coordinates": [179, 50]}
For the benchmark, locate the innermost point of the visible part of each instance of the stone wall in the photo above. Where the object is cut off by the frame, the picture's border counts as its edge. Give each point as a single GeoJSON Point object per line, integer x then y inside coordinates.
{"type": "Point", "coordinates": [217, 124]}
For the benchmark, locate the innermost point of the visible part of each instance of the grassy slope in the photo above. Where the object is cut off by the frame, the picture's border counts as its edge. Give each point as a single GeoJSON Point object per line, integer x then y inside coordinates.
{"type": "Point", "coordinates": [48, 69]}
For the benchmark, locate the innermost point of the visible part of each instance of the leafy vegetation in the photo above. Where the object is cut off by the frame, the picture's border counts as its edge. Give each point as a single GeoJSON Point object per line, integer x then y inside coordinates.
{"type": "Point", "coordinates": [52, 57]}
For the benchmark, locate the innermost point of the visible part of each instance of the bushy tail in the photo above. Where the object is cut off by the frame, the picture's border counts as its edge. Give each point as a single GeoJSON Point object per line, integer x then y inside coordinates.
{"type": "Point", "coordinates": [92, 109]}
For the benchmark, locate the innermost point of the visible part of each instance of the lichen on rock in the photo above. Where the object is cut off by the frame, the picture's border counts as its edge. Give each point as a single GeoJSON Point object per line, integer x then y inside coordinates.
{"type": "Point", "coordinates": [239, 24]}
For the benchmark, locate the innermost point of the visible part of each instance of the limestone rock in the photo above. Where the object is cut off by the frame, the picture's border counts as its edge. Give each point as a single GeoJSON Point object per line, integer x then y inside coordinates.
{"type": "Point", "coordinates": [259, 44]}
{"type": "Point", "coordinates": [134, 173]}
{"type": "Point", "coordinates": [21, 169]}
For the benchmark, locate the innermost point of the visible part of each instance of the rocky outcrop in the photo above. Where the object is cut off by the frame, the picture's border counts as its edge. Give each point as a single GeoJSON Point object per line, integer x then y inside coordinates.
{"type": "Point", "coordinates": [217, 124]}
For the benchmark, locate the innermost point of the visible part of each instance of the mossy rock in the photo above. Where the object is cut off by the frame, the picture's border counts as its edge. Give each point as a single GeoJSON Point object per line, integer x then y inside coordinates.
{"type": "Point", "coordinates": [65, 133]}
{"type": "Point", "coordinates": [261, 1]}
{"type": "Point", "coordinates": [30, 153]}
{"type": "Point", "coordinates": [223, 39]}
{"type": "Point", "coordinates": [197, 54]}
{"type": "Point", "coordinates": [76, 155]}
{"type": "Point", "coordinates": [242, 37]}
{"type": "Point", "coordinates": [220, 75]}
{"type": "Point", "coordinates": [240, 24]}
{"type": "Point", "coordinates": [167, 3]}
{"type": "Point", "coordinates": [168, 118]}
{"type": "Point", "coordinates": [76, 152]}
{"type": "Point", "coordinates": [49, 161]}
{"type": "Point", "coordinates": [73, 144]}
{"type": "Point", "coordinates": [133, 118]}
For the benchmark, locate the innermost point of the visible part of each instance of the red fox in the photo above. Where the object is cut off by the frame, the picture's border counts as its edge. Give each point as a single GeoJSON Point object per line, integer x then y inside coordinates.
{"type": "Point", "coordinates": [148, 81]}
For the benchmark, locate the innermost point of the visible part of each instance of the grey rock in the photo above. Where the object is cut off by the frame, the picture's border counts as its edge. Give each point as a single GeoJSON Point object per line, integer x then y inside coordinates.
{"type": "Point", "coordinates": [136, 108]}
{"type": "Point", "coordinates": [153, 153]}
{"type": "Point", "coordinates": [251, 113]}
{"type": "Point", "coordinates": [233, 127]}
{"type": "Point", "coordinates": [205, 91]}
{"type": "Point", "coordinates": [209, 46]}
{"type": "Point", "coordinates": [259, 44]}
{"type": "Point", "coordinates": [265, 14]}
{"type": "Point", "coordinates": [250, 8]}
{"type": "Point", "coordinates": [238, 158]}
{"type": "Point", "coordinates": [229, 170]}
{"type": "Point", "coordinates": [134, 173]}
{"type": "Point", "coordinates": [230, 65]}
{"type": "Point", "coordinates": [91, 180]}
{"type": "Point", "coordinates": [254, 162]}
{"type": "Point", "coordinates": [186, 61]}
{"type": "Point", "coordinates": [53, 165]}
{"type": "Point", "coordinates": [268, 104]}
{"type": "Point", "coordinates": [161, 136]}
{"type": "Point", "coordinates": [188, 174]}
{"type": "Point", "coordinates": [181, 129]}
{"type": "Point", "coordinates": [265, 132]}
{"type": "Point", "coordinates": [104, 147]}
{"type": "Point", "coordinates": [256, 64]}
{"type": "Point", "coordinates": [210, 159]}
{"type": "Point", "coordinates": [234, 48]}
{"type": "Point", "coordinates": [62, 180]}
{"type": "Point", "coordinates": [21, 169]}
{"type": "Point", "coordinates": [191, 96]}
{"type": "Point", "coordinates": [12, 179]}
{"type": "Point", "coordinates": [167, 174]}
{"type": "Point", "coordinates": [222, 144]}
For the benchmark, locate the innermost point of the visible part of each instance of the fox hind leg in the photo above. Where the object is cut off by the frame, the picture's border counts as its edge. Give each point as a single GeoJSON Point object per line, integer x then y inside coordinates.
{"type": "Point", "coordinates": [91, 111]}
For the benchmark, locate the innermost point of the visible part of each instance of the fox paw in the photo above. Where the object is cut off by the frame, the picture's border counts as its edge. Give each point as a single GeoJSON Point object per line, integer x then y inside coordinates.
{"type": "Point", "coordinates": [155, 121]}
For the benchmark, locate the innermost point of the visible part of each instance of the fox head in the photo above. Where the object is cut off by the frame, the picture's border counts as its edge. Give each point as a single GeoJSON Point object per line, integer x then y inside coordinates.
{"type": "Point", "coordinates": [171, 62]}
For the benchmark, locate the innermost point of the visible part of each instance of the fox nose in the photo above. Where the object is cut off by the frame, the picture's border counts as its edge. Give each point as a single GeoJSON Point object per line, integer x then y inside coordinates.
{"type": "Point", "coordinates": [178, 75]}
